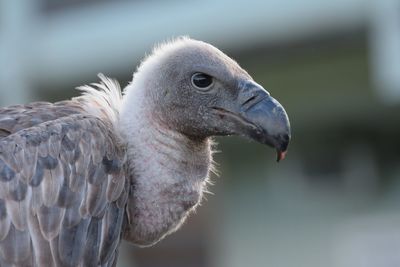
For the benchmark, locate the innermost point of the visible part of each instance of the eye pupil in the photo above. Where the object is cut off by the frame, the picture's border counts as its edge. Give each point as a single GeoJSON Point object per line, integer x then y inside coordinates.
{"type": "Point", "coordinates": [201, 80]}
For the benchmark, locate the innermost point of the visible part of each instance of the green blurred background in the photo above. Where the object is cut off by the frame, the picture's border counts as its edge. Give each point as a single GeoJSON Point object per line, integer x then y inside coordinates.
{"type": "Point", "coordinates": [334, 65]}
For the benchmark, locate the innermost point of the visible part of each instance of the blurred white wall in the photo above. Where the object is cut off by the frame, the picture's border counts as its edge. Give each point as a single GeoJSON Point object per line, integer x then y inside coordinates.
{"type": "Point", "coordinates": [38, 46]}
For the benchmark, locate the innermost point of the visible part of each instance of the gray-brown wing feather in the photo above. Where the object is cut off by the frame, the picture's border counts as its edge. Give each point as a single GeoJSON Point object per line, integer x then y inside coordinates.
{"type": "Point", "coordinates": [18, 117]}
{"type": "Point", "coordinates": [61, 184]}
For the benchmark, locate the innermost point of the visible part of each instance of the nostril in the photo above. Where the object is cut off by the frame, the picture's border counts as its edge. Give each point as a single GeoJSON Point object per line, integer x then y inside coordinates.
{"type": "Point", "coordinates": [253, 100]}
{"type": "Point", "coordinates": [249, 100]}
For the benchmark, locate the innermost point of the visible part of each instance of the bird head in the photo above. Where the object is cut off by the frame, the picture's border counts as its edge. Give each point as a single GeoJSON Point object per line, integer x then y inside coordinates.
{"type": "Point", "coordinates": [199, 91]}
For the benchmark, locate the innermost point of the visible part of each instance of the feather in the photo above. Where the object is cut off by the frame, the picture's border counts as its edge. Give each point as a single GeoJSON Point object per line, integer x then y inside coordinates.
{"type": "Point", "coordinates": [54, 145]}
{"type": "Point", "coordinates": [122, 199]}
{"type": "Point", "coordinates": [6, 172]}
{"type": "Point", "coordinates": [43, 255]}
{"type": "Point", "coordinates": [96, 173]}
{"type": "Point", "coordinates": [91, 254]}
{"type": "Point", "coordinates": [50, 219]}
{"type": "Point", "coordinates": [3, 209]}
{"type": "Point", "coordinates": [54, 247]}
{"type": "Point", "coordinates": [18, 190]}
{"type": "Point", "coordinates": [111, 232]}
{"type": "Point", "coordinates": [18, 212]}
{"type": "Point", "coordinates": [10, 159]}
{"type": "Point", "coordinates": [5, 220]}
{"type": "Point", "coordinates": [115, 186]}
{"type": "Point", "coordinates": [16, 247]}
{"type": "Point", "coordinates": [36, 199]}
{"type": "Point", "coordinates": [29, 164]}
{"type": "Point", "coordinates": [110, 165]}
{"type": "Point", "coordinates": [71, 243]}
{"type": "Point", "coordinates": [76, 182]}
{"type": "Point", "coordinates": [66, 196]}
{"type": "Point", "coordinates": [96, 199]}
{"type": "Point", "coordinates": [72, 216]}
{"type": "Point", "coordinates": [51, 186]}
{"type": "Point", "coordinates": [37, 175]}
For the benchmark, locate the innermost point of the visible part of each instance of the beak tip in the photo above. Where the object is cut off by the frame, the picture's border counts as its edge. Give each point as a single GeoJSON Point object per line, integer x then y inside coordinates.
{"type": "Point", "coordinates": [281, 148]}
{"type": "Point", "coordinates": [280, 155]}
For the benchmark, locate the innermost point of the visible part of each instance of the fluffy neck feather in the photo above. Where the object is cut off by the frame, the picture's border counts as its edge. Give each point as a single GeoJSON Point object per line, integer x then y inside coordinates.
{"type": "Point", "coordinates": [102, 100]}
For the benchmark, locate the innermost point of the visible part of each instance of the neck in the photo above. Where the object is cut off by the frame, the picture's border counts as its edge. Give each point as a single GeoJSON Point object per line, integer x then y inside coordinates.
{"type": "Point", "coordinates": [168, 170]}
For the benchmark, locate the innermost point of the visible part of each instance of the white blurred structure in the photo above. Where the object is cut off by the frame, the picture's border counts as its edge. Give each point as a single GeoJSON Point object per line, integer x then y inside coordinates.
{"type": "Point", "coordinates": [38, 46]}
{"type": "Point", "coordinates": [368, 241]}
{"type": "Point", "coordinates": [385, 48]}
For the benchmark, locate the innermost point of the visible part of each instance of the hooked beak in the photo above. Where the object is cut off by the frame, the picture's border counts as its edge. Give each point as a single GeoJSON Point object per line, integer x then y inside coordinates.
{"type": "Point", "coordinates": [260, 117]}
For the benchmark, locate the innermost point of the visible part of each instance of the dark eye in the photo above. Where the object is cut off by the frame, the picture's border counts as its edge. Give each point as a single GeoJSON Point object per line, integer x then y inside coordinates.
{"type": "Point", "coordinates": [202, 81]}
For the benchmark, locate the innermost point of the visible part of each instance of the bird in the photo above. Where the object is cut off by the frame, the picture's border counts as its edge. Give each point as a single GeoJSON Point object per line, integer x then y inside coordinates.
{"type": "Point", "coordinates": [80, 175]}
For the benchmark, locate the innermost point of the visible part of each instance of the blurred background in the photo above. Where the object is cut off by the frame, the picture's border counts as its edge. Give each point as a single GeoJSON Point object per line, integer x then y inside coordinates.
{"type": "Point", "coordinates": [334, 65]}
